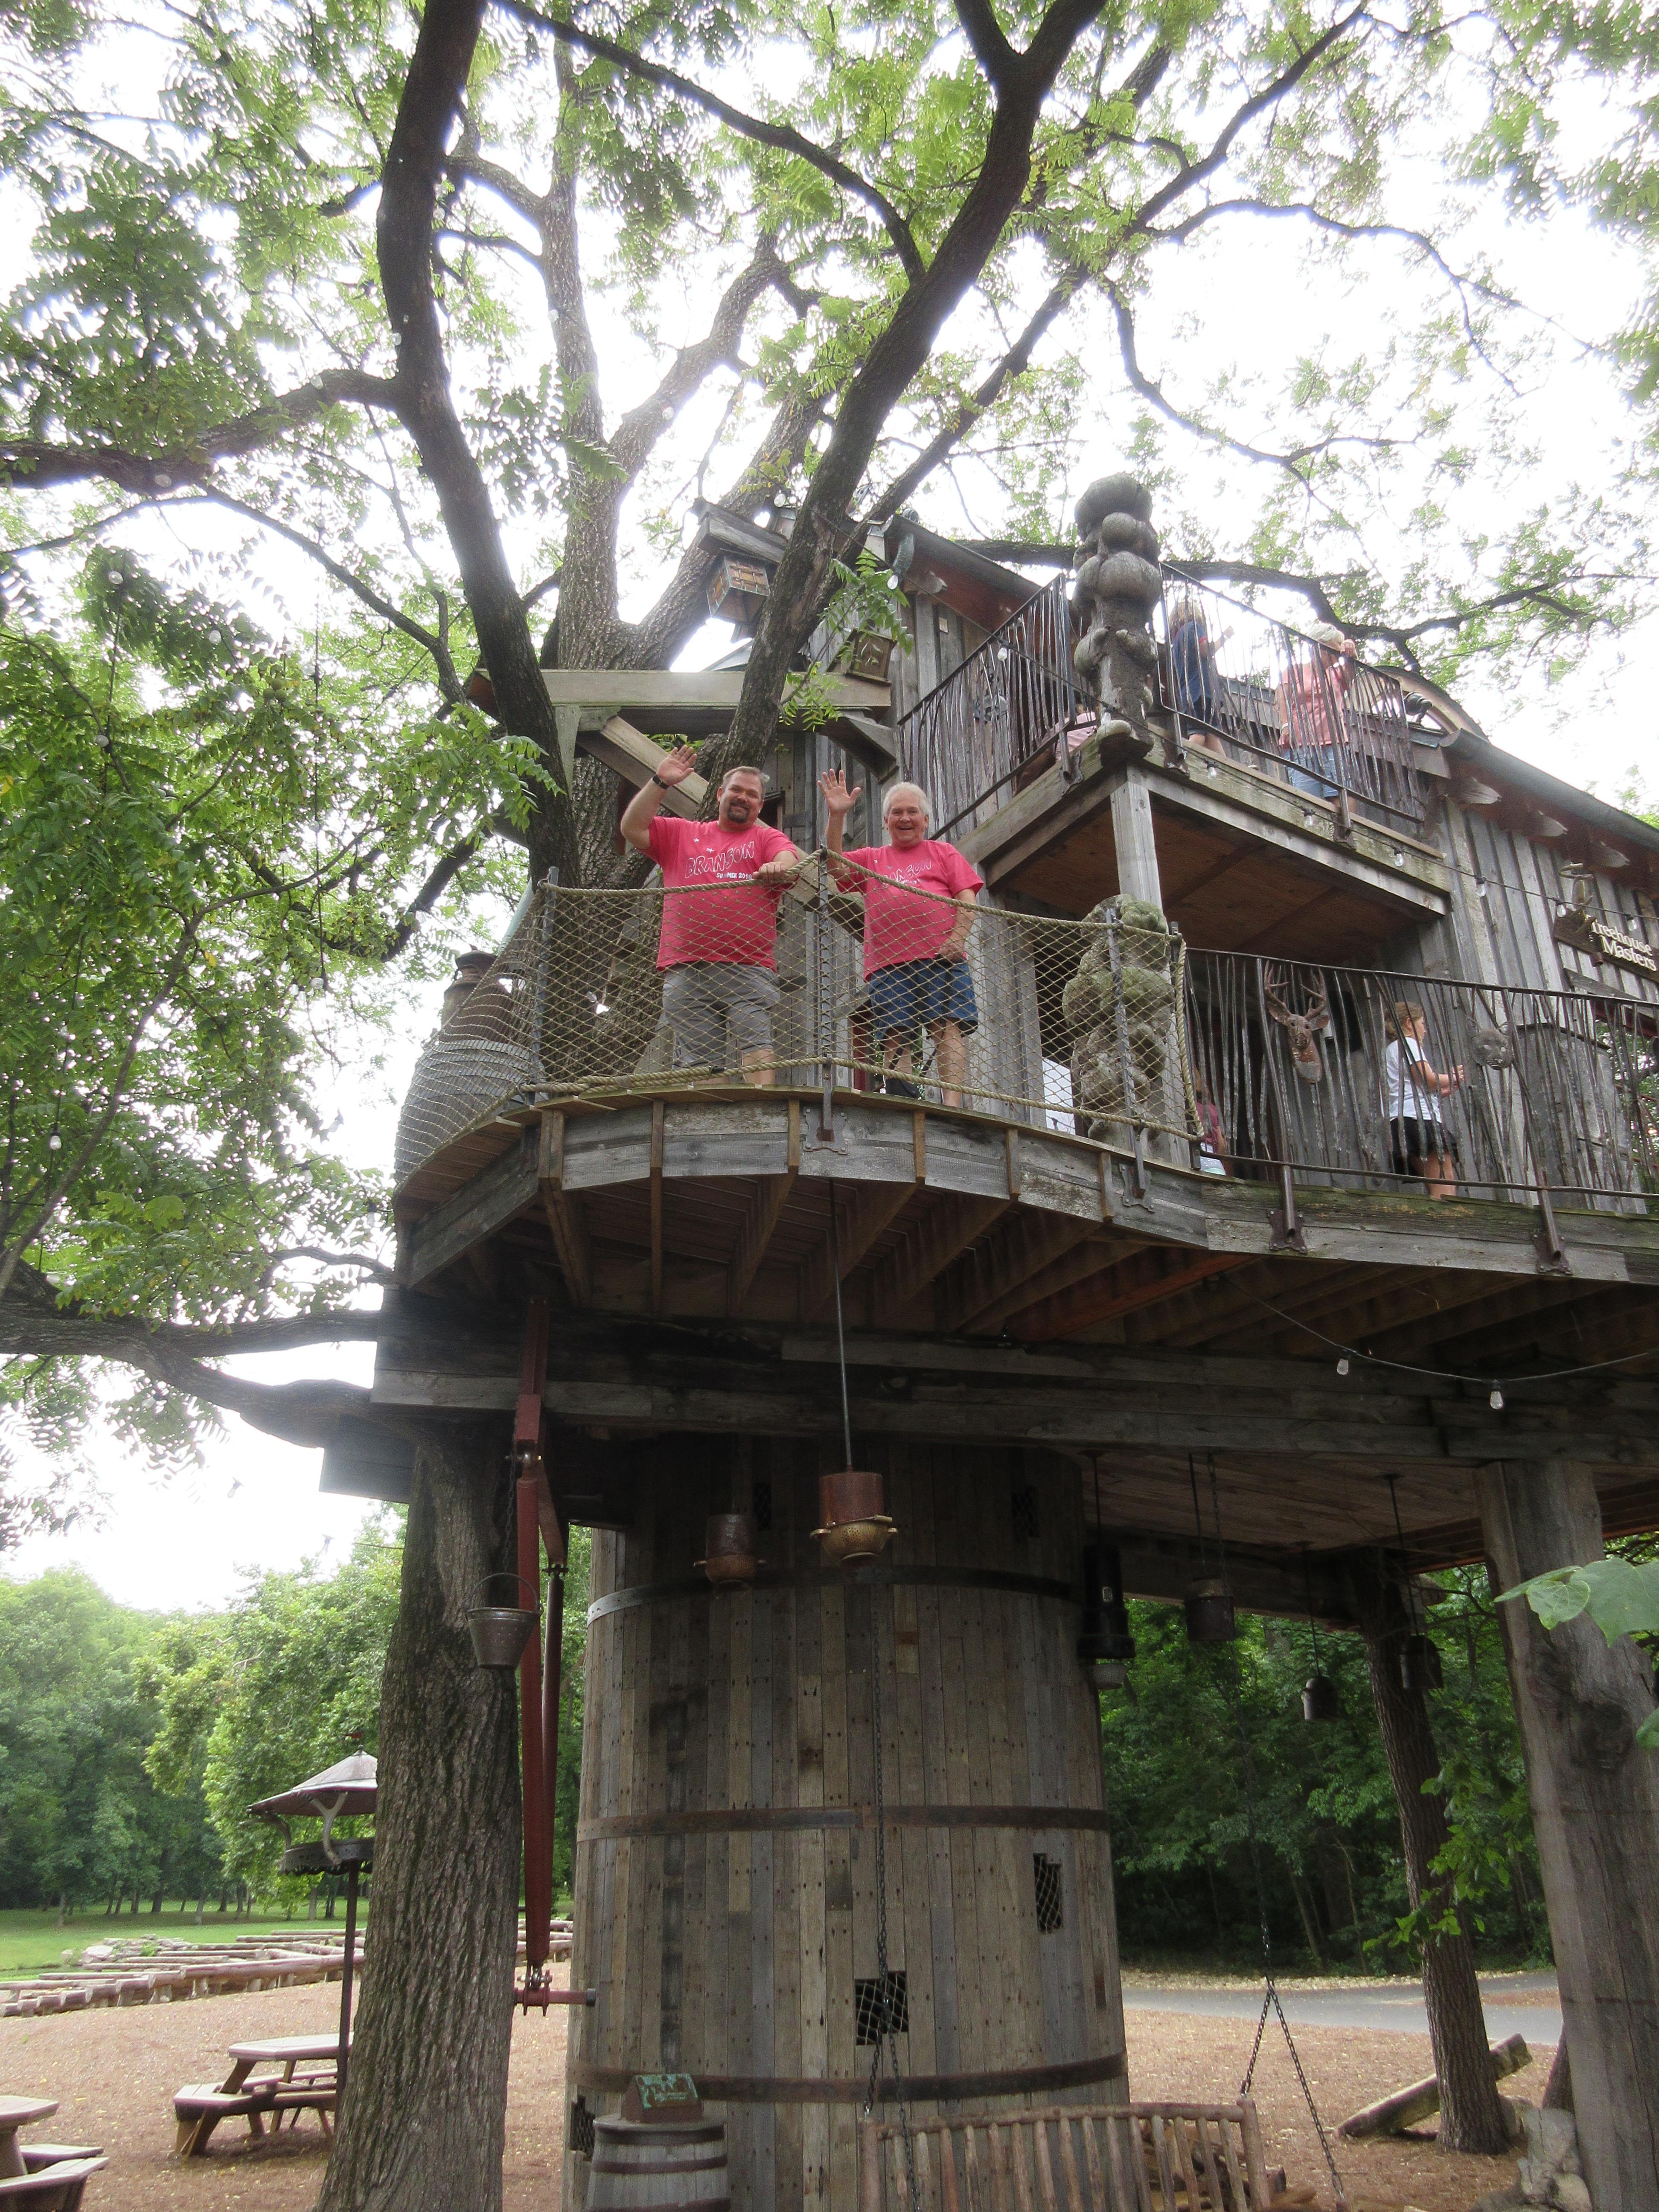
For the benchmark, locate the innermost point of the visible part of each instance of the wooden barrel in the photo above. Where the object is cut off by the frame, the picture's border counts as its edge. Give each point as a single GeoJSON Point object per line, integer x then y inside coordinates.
{"type": "Point", "coordinates": [667, 2166]}
{"type": "Point", "coordinates": [726, 1868]}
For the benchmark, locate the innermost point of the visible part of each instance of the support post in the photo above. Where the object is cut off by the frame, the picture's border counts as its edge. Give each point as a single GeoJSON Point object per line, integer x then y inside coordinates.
{"type": "Point", "coordinates": [1595, 1797]}
{"type": "Point", "coordinates": [1137, 847]}
{"type": "Point", "coordinates": [345, 1992]}
{"type": "Point", "coordinates": [1471, 2119]}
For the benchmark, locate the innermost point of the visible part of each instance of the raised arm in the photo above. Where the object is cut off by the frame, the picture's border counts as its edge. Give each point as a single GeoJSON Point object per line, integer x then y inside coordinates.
{"type": "Point", "coordinates": [838, 803]}
{"type": "Point", "coordinates": [642, 808]}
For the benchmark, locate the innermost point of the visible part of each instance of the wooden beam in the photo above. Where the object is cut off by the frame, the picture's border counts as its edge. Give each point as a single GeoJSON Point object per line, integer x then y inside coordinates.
{"type": "Point", "coordinates": [657, 1117]}
{"type": "Point", "coordinates": [930, 1245]}
{"type": "Point", "coordinates": [699, 691]}
{"type": "Point", "coordinates": [1150, 1276]}
{"type": "Point", "coordinates": [870, 1208]}
{"type": "Point", "coordinates": [766, 1201]}
{"type": "Point", "coordinates": [1094, 1256]}
{"type": "Point", "coordinates": [631, 754]}
{"type": "Point", "coordinates": [1025, 1241]}
{"type": "Point", "coordinates": [1336, 1292]}
{"type": "Point", "coordinates": [1209, 1314]}
{"type": "Point", "coordinates": [564, 1214]}
{"type": "Point", "coordinates": [478, 1209]}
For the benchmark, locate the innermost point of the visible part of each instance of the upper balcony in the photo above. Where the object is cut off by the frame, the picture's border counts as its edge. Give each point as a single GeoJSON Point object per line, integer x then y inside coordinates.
{"type": "Point", "coordinates": [1286, 789]}
{"type": "Point", "coordinates": [1115, 1120]}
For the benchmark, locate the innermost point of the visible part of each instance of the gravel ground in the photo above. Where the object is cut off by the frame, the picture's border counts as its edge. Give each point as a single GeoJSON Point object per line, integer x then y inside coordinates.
{"type": "Point", "coordinates": [114, 2072]}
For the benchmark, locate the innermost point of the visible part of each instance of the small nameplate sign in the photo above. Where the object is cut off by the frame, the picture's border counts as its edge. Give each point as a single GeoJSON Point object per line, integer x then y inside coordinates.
{"type": "Point", "coordinates": [1588, 932]}
{"type": "Point", "coordinates": [661, 2097]}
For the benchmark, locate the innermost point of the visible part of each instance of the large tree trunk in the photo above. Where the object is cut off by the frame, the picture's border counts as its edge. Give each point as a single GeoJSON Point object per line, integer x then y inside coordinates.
{"type": "Point", "coordinates": [424, 2116]}
{"type": "Point", "coordinates": [1595, 1811]}
{"type": "Point", "coordinates": [1471, 2119]}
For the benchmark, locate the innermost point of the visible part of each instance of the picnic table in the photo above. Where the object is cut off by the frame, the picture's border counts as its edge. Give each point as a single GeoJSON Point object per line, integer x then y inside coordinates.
{"type": "Point", "coordinates": [305, 2082]}
{"type": "Point", "coordinates": [19, 2113]}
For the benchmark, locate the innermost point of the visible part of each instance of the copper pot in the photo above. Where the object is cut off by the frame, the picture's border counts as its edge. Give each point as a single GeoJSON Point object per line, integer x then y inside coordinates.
{"type": "Point", "coordinates": [855, 1529]}
{"type": "Point", "coordinates": [729, 1539]}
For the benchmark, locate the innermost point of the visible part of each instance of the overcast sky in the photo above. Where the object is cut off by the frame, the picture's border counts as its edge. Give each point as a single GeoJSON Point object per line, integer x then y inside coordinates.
{"type": "Point", "coordinates": [187, 1540]}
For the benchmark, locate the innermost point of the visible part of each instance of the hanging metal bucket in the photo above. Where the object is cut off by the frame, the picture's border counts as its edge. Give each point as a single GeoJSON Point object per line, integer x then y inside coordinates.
{"type": "Point", "coordinates": [1320, 1700]}
{"type": "Point", "coordinates": [855, 1529]}
{"type": "Point", "coordinates": [729, 1539]}
{"type": "Point", "coordinates": [500, 1632]}
{"type": "Point", "coordinates": [1209, 1612]}
{"type": "Point", "coordinates": [1419, 1663]}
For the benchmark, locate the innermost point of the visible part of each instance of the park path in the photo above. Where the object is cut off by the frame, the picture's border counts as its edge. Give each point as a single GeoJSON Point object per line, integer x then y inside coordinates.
{"type": "Point", "coordinates": [1516, 2004]}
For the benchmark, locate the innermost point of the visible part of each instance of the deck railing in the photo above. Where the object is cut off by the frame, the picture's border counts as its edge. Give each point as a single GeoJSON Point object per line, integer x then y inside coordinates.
{"type": "Point", "coordinates": [1238, 685]}
{"type": "Point", "coordinates": [1107, 1027]}
{"type": "Point", "coordinates": [1246, 687]}
{"type": "Point", "coordinates": [998, 716]}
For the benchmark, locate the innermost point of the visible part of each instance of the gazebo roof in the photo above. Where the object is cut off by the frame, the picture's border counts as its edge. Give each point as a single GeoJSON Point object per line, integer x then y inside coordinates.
{"type": "Point", "coordinates": [345, 1788]}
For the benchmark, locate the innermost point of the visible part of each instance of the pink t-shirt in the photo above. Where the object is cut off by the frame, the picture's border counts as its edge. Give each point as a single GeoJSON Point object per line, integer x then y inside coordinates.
{"type": "Point", "coordinates": [736, 927]}
{"type": "Point", "coordinates": [898, 927]}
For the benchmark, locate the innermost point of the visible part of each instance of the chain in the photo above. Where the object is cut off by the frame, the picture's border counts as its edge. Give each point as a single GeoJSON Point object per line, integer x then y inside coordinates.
{"type": "Point", "coordinates": [886, 2031]}
{"type": "Point", "coordinates": [1270, 2004]}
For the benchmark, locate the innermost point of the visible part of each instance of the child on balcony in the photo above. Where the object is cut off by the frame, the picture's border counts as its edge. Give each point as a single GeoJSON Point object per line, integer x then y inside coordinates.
{"type": "Point", "coordinates": [915, 956]}
{"type": "Point", "coordinates": [1422, 1144]}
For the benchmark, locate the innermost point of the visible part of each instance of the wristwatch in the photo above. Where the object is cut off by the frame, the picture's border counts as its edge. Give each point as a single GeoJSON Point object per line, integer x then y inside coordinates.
{"type": "Point", "coordinates": [657, 781]}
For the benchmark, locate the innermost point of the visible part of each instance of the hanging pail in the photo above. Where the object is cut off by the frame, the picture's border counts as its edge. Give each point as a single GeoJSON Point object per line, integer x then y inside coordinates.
{"type": "Point", "coordinates": [638, 2164]}
{"type": "Point", "coordinates": [729, 1540]}
{"type": "Point", "coordinates": [1419, 1664]}
{"type": "Point", "coordinates": [1320, 1700]}
{"type": "Point", "coordinates": [500, 1632]}
{"type": "Point", "coordinates": [855, 1529]}
{"type": "Point", "coordinates": [1209, 1612]}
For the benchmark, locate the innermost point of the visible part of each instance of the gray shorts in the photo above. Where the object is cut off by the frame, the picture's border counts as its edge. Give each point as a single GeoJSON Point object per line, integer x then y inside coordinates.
{"type": "Point", "coordinates": [703, 999]}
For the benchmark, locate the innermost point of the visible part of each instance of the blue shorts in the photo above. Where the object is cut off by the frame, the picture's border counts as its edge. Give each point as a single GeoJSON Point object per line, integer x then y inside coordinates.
{"type": "Point", "coordinates": [912, 994]}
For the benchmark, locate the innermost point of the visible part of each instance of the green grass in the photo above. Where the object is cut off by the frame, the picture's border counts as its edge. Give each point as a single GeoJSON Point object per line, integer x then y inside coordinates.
{"type": "Point", "coordinates": [31, 1940]}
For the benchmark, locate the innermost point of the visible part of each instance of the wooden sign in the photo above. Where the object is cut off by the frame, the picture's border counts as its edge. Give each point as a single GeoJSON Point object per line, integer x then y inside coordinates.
{"type": "Point", "coordinates": [1588, 932]}
{"type": "Point", "coordinates": [661, 2097]}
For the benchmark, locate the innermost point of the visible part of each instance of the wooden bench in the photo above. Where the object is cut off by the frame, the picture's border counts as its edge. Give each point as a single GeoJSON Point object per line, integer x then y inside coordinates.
{"type": "Point", "coordinates": [53, 2189]}
{"type": "Point", "coordinates": [38, 2155]}
{"type": "Point", "coordinates": [1071, 2158]}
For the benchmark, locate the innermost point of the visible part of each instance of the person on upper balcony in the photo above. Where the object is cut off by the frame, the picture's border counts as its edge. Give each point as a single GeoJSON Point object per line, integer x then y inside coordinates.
{"type": "Point", "coordinates": [1309, 703]}
{"type": "Point", "coordinates": [919, 905]}
{"type": "Point", "coordinates": [1198, 683]}
{"type": "Point", "coordinates": [1422, 1144]}
{"type": "Point", "coordinates": [718, 945]}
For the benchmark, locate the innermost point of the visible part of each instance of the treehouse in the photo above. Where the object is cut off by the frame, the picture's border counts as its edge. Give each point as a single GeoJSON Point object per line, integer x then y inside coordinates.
{"type": "Point", "coordinates": [1302, 1147]}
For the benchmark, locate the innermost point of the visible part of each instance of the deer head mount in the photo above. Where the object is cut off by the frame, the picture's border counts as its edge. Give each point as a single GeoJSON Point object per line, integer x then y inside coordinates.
{"type": "Point", "coordinates": [1302, 1025]}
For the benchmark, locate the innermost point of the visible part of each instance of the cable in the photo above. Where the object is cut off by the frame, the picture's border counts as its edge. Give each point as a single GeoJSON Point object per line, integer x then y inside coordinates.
{"type": "Point", "coordinates": [1448, 1374]}
{"type": "Point", "coordinates": [841, 1332]}
{"type": "Point", "coordinates": [1270, 2002]}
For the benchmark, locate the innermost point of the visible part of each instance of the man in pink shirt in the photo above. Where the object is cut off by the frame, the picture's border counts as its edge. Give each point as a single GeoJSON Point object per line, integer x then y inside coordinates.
{"type": "Point", "coordinates": [717, 949]}
{"type": "Point", "coordinates": [915, 947]}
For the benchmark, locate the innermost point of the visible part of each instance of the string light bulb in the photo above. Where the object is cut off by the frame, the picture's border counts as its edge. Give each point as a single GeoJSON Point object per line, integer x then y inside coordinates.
{"type": "Point", "coordinates": [1342, 1367]}
{"type": "Point", "coordinates": [1496, 1400]}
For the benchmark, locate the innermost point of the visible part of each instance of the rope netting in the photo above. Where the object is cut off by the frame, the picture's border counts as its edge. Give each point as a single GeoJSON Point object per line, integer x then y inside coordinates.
{"type": "Point", "coordinates": [841, 975]}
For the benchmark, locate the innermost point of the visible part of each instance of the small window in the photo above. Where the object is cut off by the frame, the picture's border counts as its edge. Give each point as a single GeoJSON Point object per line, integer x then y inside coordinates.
{"type": "Point", "coordinates": [1046, 1875]}
{"type": "Point", "coordinates": [581, 2129]}
{"type": "Point", "coordinates": [1024, 1503]}
{"type": "Point", "coordinates": [880, 2009]}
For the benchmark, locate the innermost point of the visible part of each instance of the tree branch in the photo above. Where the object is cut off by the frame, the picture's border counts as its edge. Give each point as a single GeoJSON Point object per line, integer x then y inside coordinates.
{"type": "Point", "coordinates": [449, 682]}
{"type": "Point", "coordinates": [984, 35]}
{"type": "Point", "coordinates": [416, 162]}
{"type": "Point", "coordinates": [631, 443]}
{"type": "Point", "coordinates": [26, 464]}
{"type": "Point", "coordinates": [780, 136]}
{"type": "Point", "coordinates": [963, 417]}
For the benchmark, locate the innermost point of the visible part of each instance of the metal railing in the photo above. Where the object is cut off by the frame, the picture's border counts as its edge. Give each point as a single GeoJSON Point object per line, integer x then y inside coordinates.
{"type": "Point", "coordinates": [1107, 1028]}
{"type": "Point", "coordinates": [1245, 687]}
{"type": "Point", "coordinates": [1003, 714]}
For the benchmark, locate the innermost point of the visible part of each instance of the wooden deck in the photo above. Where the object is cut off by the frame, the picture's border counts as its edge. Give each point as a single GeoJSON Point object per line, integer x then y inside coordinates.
{"type": "Point", "coordinates": [717, 1206]}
